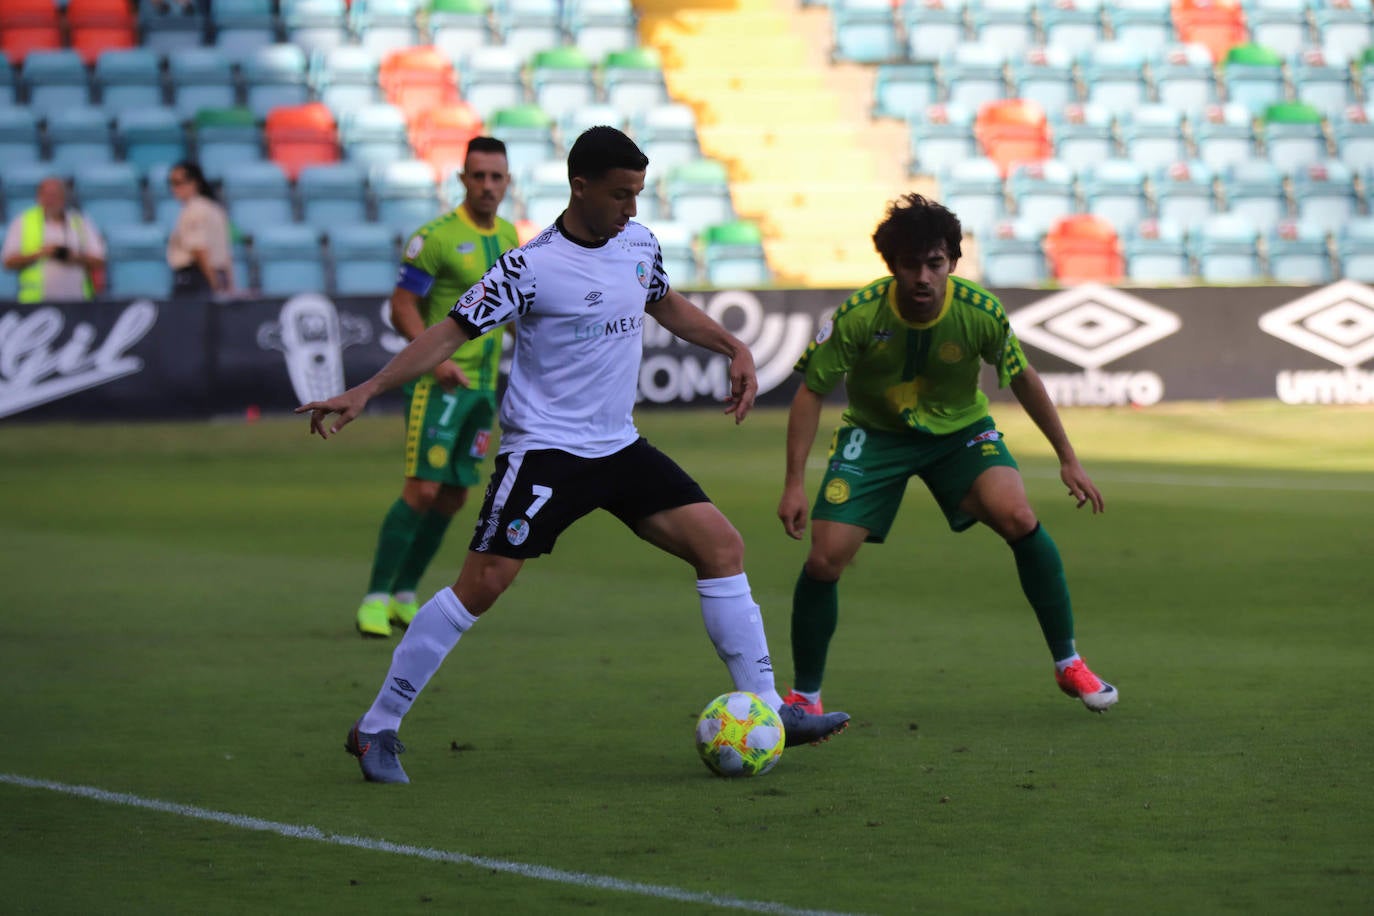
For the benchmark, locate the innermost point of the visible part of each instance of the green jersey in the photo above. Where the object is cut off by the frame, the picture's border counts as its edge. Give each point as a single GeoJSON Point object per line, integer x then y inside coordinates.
{"type": "Point", "coordinates": [903, 376]}
{"type": "Point", "coordinates": [442, 260]}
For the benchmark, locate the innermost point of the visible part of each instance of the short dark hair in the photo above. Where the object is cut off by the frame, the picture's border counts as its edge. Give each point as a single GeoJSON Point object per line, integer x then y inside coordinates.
{"type": "Point", "coordinates": [599, 149]}
{"type": "Point", "coordinates": [485, 145]}
{"type": "Point", "coordinates": [915, 226]}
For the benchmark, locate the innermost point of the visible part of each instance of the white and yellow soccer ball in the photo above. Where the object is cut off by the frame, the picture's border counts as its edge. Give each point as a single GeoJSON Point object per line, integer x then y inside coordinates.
{"type": "Point", "coordinates": [738, 734]}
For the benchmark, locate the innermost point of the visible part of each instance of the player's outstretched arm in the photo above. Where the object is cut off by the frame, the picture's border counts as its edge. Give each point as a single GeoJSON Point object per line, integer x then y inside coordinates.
{"type": "Point", "coordinates": [1035, 400]}
{"type": "Point", "coordinates": [420, 356]}
{"type": "Point", "coordinates": [803, 419]}
{"type": "Point", "coordinates": [693, 325]}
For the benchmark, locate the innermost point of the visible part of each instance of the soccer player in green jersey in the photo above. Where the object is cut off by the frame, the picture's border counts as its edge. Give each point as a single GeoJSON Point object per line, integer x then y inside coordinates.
{"type": "Point", "coordinates": [449, 412]}
{"type": "Point", "coordinates": [909, 349]}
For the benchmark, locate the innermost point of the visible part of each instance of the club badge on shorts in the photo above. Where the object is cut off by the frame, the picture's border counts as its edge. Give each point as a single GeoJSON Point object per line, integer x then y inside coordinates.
{"type": "Point", "coordinates": [517, 531]}
{"type": "Point", "coordinates": [837, 491]}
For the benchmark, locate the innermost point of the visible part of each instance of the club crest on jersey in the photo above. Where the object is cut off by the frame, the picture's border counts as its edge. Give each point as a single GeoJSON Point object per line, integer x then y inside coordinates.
{"type": "Point", "coordinates": [517, 531]}
{"type": "Point", "coordinates": [951, 352]}
{"type": "Point", "coordinates": [466, 248]}
{"type": "Point", "coordinates": [991, 435]}
{"type": "Point", "coordinates": [642, 273]}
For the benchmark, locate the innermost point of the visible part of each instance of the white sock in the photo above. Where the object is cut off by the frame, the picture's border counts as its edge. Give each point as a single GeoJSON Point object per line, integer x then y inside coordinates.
{"type": "Point", "coordinates": [436, 629]}
{"type": "Point", "coordinates": [403, 597]}
{"type": "Point", "coordinates": [735, 625]}
{"type": "Point", "coordinates": [375, 596]}
{"type": "Point", "coordinates": [811, 697]}
{"type": "Point", "coordinates": [1065, 662]}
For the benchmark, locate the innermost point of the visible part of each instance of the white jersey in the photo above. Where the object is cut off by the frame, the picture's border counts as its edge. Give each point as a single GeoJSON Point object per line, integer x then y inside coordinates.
{"type": "Point", "coordinates": [579, 314]}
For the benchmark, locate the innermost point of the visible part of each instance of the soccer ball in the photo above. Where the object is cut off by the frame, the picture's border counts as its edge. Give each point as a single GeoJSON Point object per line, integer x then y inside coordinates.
{"type": "Point", "coordinates": [739, 734]}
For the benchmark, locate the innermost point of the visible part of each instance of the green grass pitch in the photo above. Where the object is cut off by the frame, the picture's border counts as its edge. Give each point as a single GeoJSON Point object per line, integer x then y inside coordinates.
{"type": "Point", "coordinates": [177, 626]}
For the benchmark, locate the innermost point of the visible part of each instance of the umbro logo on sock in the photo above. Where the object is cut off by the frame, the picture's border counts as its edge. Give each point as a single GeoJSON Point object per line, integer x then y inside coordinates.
{"type": "Point", "coordinates": [404, 684]}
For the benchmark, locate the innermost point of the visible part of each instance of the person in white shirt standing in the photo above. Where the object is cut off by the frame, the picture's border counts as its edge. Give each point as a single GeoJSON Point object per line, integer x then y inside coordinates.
{"type": "Point", "coordinates": [55, 249]}
{"type": "Point", "coordinates": [577, 295]}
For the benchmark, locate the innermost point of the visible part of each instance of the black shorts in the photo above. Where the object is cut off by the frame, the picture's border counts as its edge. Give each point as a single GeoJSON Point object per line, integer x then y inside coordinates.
{"type": "Point", "coordinates": [533, 496]}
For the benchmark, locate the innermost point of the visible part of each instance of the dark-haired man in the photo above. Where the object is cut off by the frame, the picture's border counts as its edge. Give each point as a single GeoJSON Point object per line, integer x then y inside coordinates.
{"type": "Point", "coordinates": [909, 349]}
{"type": "Point", "coordinates": [577, 295]}
{"type": "Point", "coordinates": [449, 411]}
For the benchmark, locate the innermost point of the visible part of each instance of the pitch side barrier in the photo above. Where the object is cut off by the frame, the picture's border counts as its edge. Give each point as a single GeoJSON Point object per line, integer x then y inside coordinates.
{"type": "Point", "coordinates": [1093, 345]}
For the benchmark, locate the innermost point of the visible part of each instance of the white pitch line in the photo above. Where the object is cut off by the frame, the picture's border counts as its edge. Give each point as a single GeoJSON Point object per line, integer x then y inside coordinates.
{"type": "Point", "coordinates": [306, 832]}
{"type": "Point", "coordinates": [1215, 481]}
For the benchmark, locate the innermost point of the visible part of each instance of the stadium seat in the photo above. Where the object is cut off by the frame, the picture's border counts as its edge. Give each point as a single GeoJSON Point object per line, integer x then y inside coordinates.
{"type": "Point", "coordinates": [698, 194]}
{"type": "Point", "coordinates": [1215, 25]}
{"type": "Point", "coordinates": [257, 194]}
{"type": "Point", "coordinates": [332, 194]}
{"type": "Point", "coordinates": [1353, 131]}
{"type": "Point", "coordinates": [666, 133]}
{"type": "Point", "coordinates": [1183, 76]}
{"type": "Point", "coordinates": [1322, 80]}
{"type": "Point", "coordinates": [974, 190]}
{"type": "Point", "coordinates": [1223, 135]}
{"type": "Point", "coordinates": [109, 193]}
{"type": "Point", "coordinates": [1226, 250]}
{"type": "Point", "coordinates": [1253, 76]}
{"type": "Point", "coordinates": [864, 32]}
{"type": "Point", "coordinates": [973, 74]}
{"type": "Point", "coordinates": [27, 26]}
{"type": "Point", "coordinates": [1253, 190]}
{"type": "Point", "coordinates": [243, 26]}
{"type": "Point", "coordinates": [288, 259]}
{"type": "Point", "coordinates": [8, 95]}
{"type": "Point", "coordinates": [200, 78]}
{"type": "Point", "coordinates": [572, 123]}
{"type": "Point", "coordinates": [128, 79]}
{"type": "Point", "coordinates": [733, 255]}
{"type": "Point", "coordinates": [364, 258]}
{"type": "Point", "coordinates": [1325, 195]}
{"type": "Point", "coordinates": [1153, 135]}
{"type": "Point", "coordinates": [225, 136]}
{"type": "Point", "coordinates": [561, 79]}
{"type": "Point", "coordinates": [491, 78]}
{"type": "Point", "coordinates": [1114, 189]}
{"type": "Point", "coordinates": [1346, 28]}
{"type": "Point", "coordinates": [1005, 24]}
{"type": "Point", "coordinates": [458, 26]}
{"type": "Point", "coordinates": [171, 27]}
{"type": "Point", "coordinates": [679, 257]}
{"type": "Point", "coordinates": [1012, 254]}
{"type": "Point", "coordinates": [1278, 24]}
{"type": "Point", "coordinates": [1184, 193]}
{"type": "Point", "coordinates": [1114, 76]}
{"type": "Point", "coordinates": [1072, 26]}
{"type": "Point", "coordinates": [301, 135]}
{"type": "Point", "coordinates": [545, 190]}
{"type": "Point", "coordinates": [441, 135]}
{"type": "Point", "coordinates": [1042, 192]}
{"type": "Point", "coordinates": [529, 26]}
{"type": "Point", "coordinates": [315, 25]}
{"type": "Point", "coordinates": [1144, 24]}
{"type": "Point", "coordinates": [1083, 248]}
{"type": "Point", "coordinates": [54, 80]}
{"type": "Point", "coordinates": [136, 261]}
{"type": "Point", "coordinates": [94, 26]}
{"type": "Point", "coordinates": [632, 80]}
{"type": "Point", "coordinates": [384, 25]}
{"type": "Point", "coordinates": [79, 133]}
{"type": "Point", "coordinates": [1155, 252]}
{"type": "Point", "coordinates": [19, 138]}
{"type": "Point", "coordinates": [1355, 249]}
{"type": "Point", "coordinates": [149, 136]}
{"type": "Point", "coordinates": [933, 26]}
{"type": "Point", "coordinates": [417, 79]}
{"type": "Point", "coordinates": [406, 194]}
{"type": "Point", "coordinates": [527, 131]}
{"type": "Point", "coordinates": [903, 90]}
{"type": "Point", "coordinates": [1044, 76]}
{"type": "Point", "coordinates": [1011, 131]}
{"type": "Point", "coordinates": [599, 27]}
{"type": "Point", "coordinates": [274, 77]}
{"type": "Point", "coordinates": [345, 77]}
{"type": "Point", "coordinates": [374, 134]}
{"type": "Point", "coordinates": [1292, 135]}
{"type": "Point", "coordinates": [1297, 252]}
{"type": "Point", "coordinates": [941, 135]}
{"type": "Point", "coordinates": [1081, 135]}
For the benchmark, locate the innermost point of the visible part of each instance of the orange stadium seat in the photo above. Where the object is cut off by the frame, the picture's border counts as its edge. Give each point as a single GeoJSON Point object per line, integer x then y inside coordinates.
{"type": "Point", "coordinates": [301, 135]}
{"type": "Point", "coordinates": [1084, 248]}
{"type": "Point", "coordinates": [441, 135]}
{"type": "Point", "coordinates": [1012, 131]}
{"type": "Point", "coordinates": [29, 25]}
{"type": "Point", "coordinates": [417, 79]}
{"type": "Point", "coordinates": [1218, 25]}
{"type": "Point", "coordinates": [100, 25]}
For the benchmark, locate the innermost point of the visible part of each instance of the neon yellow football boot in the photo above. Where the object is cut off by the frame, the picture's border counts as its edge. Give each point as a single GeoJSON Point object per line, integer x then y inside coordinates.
{"type": "Point", "coordinates": [374, 619]}
{"type": "Point", "coordinates": [402, 613]}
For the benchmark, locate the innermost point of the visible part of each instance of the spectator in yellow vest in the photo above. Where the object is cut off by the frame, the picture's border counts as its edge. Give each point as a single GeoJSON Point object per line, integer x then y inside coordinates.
{"type": "Point", "coordinates": [55, 249]}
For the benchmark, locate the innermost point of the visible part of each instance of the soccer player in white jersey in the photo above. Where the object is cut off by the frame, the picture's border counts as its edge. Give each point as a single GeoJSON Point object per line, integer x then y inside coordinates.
{"type": "Point", "coordinates": [577, 294]}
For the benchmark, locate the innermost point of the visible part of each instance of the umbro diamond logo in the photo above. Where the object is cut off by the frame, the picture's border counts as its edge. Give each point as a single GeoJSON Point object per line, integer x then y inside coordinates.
{"type": "Point", "coordinates": [1335, 322]}
{"type": "Point", "coordinates": [1093, 325]}
{"type": "Point", "coordinates": [593, 297]}
{"type": "Point", "coordinates": [404, 684]}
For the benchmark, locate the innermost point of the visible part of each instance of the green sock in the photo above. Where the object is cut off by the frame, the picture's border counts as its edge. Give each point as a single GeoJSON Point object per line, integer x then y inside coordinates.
{"type": "Point", "coordinates": [1042, 579]}
{"type": "Point", "coordinates": [429, 534]}
{"type": "Point", "coordinates": [815, 613]}
{"type": "Point", "coordinates": [393, 541]}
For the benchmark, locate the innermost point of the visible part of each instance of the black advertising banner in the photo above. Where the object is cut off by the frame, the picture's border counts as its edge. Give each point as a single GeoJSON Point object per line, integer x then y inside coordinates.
{"type": "Point", "coordinates": [1093, 345]}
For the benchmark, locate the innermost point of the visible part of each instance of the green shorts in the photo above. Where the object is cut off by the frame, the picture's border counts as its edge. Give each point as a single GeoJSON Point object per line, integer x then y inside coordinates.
{"type": "Point", "coordinates": [447, 432]}
{"type": "Point", "coordinates": [868, 471]}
